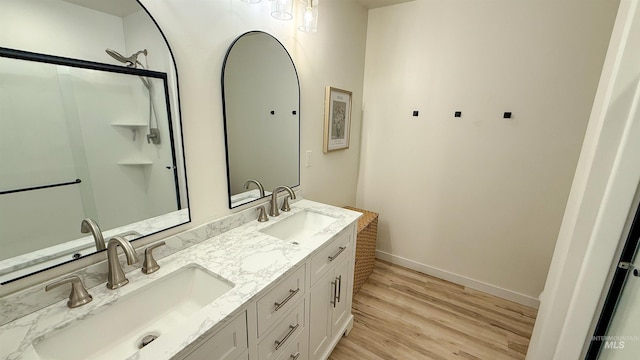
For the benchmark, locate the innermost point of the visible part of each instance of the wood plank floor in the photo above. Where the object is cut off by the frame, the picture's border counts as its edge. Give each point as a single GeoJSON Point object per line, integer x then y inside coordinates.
{"type": "Point", "coordinates": [403, 314]}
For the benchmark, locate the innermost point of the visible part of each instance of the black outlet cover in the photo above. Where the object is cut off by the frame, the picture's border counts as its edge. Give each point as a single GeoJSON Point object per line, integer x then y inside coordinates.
{"type": "Point", "coordinates": [458, 114]}
{"type": "Point", "coordinates": [507, 115]}
{"type": "Point", "coordinates": [415, 112]}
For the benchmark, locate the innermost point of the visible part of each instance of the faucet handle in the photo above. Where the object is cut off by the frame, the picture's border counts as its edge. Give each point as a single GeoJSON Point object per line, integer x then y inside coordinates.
{"type": "Point", "coordinates": [150, 264]}
{"type": "Point", "coordinates": [262, 214]}
{"type": "Point", "coordinates": [285, 204]}
{"type": "Point", "coordinates": [79, 294]}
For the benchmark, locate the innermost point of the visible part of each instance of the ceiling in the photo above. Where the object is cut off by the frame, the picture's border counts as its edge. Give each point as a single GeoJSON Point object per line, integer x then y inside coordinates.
{"type": "Point", "coordinates": [120, 8]}
{"type": "Point", "coordinates": [372, 4]}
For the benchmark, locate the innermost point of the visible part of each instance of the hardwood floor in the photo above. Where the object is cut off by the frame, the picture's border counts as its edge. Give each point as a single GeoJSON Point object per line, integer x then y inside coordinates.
{"type": "Point", "coordinates": [403, 314]}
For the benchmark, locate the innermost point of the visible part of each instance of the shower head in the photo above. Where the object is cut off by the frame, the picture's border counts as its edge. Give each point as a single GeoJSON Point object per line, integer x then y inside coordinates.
{"type": "Point", "coordinates": [131, 61]}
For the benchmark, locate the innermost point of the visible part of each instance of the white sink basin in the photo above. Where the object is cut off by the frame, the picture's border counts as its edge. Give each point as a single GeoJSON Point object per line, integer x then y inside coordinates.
{"type": "Point", "coordinates": [154, 309]}
{"type": "Point", "coordinates": [299, 227]}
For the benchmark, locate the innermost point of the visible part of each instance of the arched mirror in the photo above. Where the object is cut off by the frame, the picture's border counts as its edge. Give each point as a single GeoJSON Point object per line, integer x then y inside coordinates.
{"type": "Point", "coordinates": [261, 96]}
{"type": "Point", "coordinates": [89, 128]}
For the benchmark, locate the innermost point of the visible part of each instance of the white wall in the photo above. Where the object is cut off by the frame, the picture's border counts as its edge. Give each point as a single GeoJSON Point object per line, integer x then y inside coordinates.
{"type": "Point", "coordinates": [477, 199]}
{"type": "Point", "coordinates": [200, 32]}
{"type": "Point", "coordinates": [57, 37]}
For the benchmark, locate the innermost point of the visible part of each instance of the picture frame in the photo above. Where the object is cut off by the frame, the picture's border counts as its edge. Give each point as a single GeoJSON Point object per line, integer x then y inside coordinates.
{"type": "Point", "coordinates": [337, 119]}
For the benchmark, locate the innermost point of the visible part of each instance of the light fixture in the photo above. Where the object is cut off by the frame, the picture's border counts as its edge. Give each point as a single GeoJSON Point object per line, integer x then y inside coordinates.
{"type": "Point", "coordinates": [308, 18]}
{"type": "Point", "coordinates": [251, 1]}
{"type": "Point", "coordinates": [282, 9]}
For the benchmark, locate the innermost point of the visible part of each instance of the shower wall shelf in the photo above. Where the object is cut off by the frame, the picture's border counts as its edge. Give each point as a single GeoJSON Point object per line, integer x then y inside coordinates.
{"type": "Point", "coordinates": [139, 161]}
{"type": "Point", "coordinates": [129, 125]}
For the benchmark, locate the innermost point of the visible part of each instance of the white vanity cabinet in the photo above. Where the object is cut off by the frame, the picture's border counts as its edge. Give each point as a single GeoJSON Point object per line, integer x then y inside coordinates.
{"type": "Point", "coordinates": [229, 343]}
{"type": "Point", "coordinates": [277, 296]}
{"type": "Point", "coordinates": [302, 316]}
{"type": "Point", "coordinates": [330, 295]}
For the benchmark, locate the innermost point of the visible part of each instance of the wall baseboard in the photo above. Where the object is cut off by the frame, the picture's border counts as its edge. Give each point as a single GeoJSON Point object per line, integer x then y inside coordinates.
{"type": "Point", "coordinates": [460, 280]}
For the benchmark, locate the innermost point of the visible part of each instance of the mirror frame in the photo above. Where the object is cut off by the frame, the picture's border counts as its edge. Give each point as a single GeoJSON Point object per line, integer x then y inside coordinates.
{"type": "Point", "coordinates": [169, 89]}
{"type": "Point", "coordinates": [225, 119]}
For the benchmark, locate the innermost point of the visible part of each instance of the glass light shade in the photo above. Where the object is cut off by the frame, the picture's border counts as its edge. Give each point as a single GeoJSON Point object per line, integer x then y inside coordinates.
{"type": "Point", "coordinates": [282, 9]}
{"type": "Point", "coordinates": [308, 15]}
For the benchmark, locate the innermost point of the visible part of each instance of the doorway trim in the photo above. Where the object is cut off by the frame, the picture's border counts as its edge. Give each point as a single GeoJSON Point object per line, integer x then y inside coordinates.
{"type": "Point", "coordinates": [600, 200]}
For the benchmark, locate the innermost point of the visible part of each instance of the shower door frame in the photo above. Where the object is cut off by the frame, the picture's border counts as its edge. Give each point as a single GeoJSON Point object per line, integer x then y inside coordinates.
{"type": "Point", "coordinates": [84, 64]}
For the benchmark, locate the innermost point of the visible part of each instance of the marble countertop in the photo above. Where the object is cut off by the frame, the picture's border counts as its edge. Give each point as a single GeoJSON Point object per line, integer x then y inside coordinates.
{"type": "Point", "coordinates": [245, 256]}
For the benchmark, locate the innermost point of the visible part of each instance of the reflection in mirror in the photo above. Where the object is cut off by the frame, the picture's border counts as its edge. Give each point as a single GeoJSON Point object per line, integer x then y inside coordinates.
{"type": "Point", "coordinates": [80, 139]}
{"type": "Point", "coordinates": [261, 96]}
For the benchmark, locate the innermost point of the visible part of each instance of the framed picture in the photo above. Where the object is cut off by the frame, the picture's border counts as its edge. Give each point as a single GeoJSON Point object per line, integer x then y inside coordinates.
{"type": "Point", "coordinates": [337, 119]}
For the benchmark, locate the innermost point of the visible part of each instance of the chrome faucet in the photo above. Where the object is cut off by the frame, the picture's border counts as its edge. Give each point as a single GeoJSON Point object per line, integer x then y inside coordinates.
{"type": "Point", "coordinates": [273, 211]}
{"type": "Point", "coordinates": [258, 184]}
{"type": "Point", "coordinates": [91, 226]}
{"type": "Point", "coordinates": [116, 278]}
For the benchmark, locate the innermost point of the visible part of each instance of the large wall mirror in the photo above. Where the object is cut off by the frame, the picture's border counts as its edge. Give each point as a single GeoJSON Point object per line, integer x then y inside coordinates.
{"type": "Point", "coordinates": [261, 96]}
{"type": "Point", "coordinates": [89, 128]}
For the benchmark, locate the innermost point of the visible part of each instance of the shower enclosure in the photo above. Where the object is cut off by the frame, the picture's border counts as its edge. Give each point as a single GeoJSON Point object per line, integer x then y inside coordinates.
{"type": "Point", "coordinates": [80, 145]}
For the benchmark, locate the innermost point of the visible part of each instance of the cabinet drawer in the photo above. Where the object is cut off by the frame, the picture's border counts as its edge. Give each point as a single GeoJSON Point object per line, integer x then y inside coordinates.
{"type": "Point", "coordinates": [283, 334]}
{"type": "Point", "coordinates": [338, 248]}
{"type": "Point", "coordinates": [279, 300]}
{"type": "Point", "coordinates": [297, 349]}
{"type": "Point", "coordinates": [227, 344]}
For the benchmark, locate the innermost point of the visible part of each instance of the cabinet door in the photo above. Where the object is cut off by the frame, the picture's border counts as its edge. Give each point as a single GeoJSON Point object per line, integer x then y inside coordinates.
{"type": "Point", "coordinates": [320, 300]}
{"type": "Point", "coordinates": [341, 310]}
{"type": "Point", "coordinates": [227, 344]}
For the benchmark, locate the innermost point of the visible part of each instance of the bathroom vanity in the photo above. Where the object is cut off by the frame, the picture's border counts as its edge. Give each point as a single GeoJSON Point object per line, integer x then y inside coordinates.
{"type": "Point", "coordinates": [281, 289]}
{"type": "Point", "coordinates": [235, 288]}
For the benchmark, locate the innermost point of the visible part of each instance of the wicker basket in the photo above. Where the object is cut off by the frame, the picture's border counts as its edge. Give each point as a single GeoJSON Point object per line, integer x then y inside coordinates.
{"type": "Point", "coordinates": [365, 247]}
